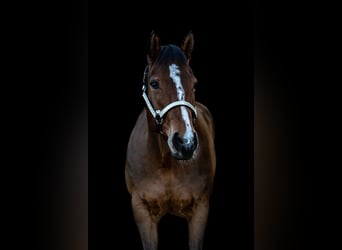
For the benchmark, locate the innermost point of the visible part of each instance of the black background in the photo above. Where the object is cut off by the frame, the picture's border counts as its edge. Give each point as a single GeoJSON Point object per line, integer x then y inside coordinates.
{"type": "Point", "coordinates": [223, 63]}
{"type": "Point", "coordinates": [286, 108]}
{"type": "Point", "coordinates": [72, 137]}
{"type": "Point", "coordinates": [68, 189]}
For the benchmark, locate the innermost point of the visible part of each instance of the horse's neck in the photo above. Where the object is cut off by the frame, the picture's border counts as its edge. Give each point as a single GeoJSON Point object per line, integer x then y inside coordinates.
{"type": "Point", "coordinates": [151, 141]}
{"type": "Point", "coordinates": [157, 143]}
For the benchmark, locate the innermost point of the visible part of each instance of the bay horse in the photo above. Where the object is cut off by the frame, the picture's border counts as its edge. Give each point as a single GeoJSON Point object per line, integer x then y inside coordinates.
{"type": "Point", "coordinates": [170, 158]}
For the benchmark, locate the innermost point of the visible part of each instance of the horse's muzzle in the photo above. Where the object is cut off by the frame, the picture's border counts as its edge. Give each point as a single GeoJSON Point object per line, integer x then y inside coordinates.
{"type": "Point", "coordinates": [185, 147]}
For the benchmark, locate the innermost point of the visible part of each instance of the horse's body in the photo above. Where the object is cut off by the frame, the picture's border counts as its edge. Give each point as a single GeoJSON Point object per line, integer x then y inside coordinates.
{"type": "Point", "coordinates": [171, 161]}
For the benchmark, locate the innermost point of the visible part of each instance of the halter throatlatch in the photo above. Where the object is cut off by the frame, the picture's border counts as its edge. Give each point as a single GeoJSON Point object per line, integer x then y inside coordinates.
{"type": "Point", "coordinates": [159, 114]}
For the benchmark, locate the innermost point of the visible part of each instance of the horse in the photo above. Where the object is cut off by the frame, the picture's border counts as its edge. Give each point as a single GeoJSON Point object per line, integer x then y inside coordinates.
{"type": "Point", "coordinates": [170, 158]}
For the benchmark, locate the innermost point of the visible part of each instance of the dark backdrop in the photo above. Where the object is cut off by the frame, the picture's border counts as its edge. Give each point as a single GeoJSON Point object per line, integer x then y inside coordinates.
{"type": "Point", "coordinates": [223, 63]}
{"type": "Point", "coordinates": [74, 138]}
{"type": "Point", "coordinates": [58, 188]}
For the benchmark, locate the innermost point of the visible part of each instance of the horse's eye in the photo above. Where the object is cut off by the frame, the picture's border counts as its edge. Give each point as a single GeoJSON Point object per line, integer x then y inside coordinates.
{"type": "Point", "coordinates": [154, 84]}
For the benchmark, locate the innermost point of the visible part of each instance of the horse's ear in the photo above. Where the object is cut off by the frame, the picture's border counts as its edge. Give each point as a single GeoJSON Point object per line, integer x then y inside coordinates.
{"type": "Point", "coordinates": [188, 45]}
{"type": "Point", "coordinates": [153, 47]}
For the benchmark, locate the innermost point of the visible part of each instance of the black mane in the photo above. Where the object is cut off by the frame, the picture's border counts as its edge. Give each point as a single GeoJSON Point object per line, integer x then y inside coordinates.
{"type": "Point", "coordinates": [171, 53]}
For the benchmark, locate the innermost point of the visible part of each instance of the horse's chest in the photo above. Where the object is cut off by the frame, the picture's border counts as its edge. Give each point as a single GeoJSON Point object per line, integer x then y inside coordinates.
{"type": "Point", "coordinates": [173, 194]}
{"type": "Point", "coordinates": [175, 184]}
{"type": "Point", "coordinates": [181, 202]}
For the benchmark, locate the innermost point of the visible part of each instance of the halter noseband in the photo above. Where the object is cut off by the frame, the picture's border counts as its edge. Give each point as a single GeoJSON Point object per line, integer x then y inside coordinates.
{"type": "Point", "coordinates": [159, 114]}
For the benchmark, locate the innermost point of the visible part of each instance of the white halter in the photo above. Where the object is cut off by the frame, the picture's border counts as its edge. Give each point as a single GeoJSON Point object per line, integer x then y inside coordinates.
{"type": "Point", "coordinates": [159, 114]}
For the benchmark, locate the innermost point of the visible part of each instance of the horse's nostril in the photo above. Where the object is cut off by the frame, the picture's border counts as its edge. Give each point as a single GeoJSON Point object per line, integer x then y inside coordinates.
{"type": "Point", "coordinates": [184, 144]}
{"type": "Point", "coordinates": [177, 141]}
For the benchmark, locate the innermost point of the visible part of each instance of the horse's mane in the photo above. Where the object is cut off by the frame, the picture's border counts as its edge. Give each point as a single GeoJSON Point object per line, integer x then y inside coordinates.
{"type": "Point", "coordinates": [169, 53]}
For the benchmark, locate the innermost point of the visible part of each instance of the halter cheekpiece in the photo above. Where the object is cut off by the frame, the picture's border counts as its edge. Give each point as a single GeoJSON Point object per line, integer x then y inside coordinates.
{"type": "Point", "coordinates": [159, 114]}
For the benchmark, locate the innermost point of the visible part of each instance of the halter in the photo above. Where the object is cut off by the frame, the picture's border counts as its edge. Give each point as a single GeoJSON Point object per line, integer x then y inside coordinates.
{"type": "Point", "coordinates": [159, 114]}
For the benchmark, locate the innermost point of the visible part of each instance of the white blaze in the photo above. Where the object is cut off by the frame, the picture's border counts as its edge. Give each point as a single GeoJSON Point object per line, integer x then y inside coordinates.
{"type": "Point", "coordinates": [175, 76]}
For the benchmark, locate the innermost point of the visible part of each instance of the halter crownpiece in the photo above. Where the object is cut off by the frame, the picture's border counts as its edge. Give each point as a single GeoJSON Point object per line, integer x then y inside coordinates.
{"type": "Point", "coordinates": [159, 114]}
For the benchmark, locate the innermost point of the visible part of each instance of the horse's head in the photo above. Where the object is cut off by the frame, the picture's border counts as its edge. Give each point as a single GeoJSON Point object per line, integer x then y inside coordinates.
{"type": "Point", "coordinates": [169, 93]}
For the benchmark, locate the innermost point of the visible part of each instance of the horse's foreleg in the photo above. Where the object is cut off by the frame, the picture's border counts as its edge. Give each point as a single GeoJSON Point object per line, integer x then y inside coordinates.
{"type": "Point", "coordinates": [197, 225]}
{"type": "Point", "coordinates": [146, 226]}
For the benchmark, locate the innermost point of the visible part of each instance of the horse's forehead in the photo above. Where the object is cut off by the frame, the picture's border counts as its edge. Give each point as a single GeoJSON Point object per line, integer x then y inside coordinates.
{"type": "Point", "coordinates": [165, 69]}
